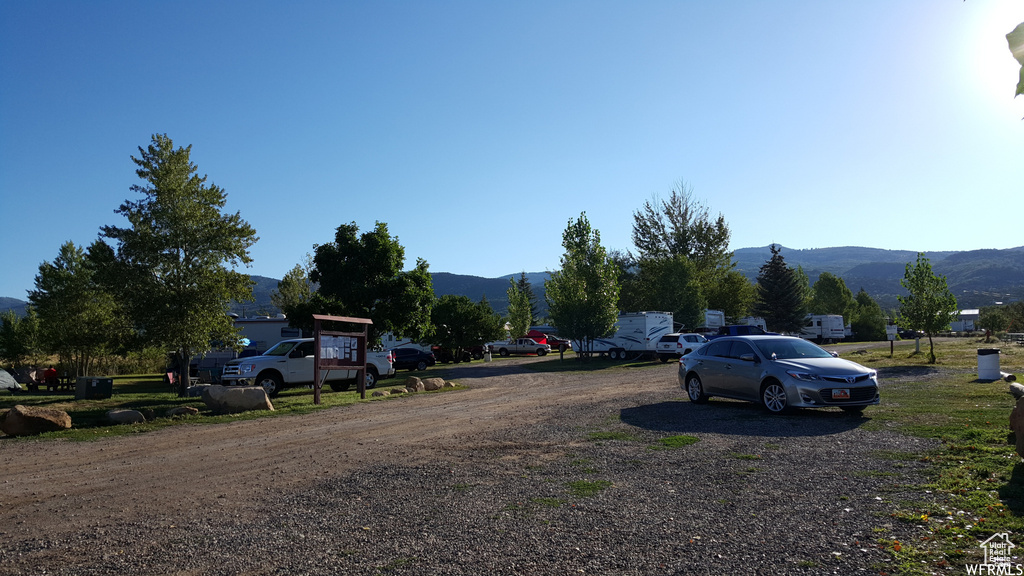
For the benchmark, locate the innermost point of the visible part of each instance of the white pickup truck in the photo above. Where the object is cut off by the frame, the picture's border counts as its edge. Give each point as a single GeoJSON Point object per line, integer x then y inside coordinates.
{"type": "Point", "coordinates": [290, 363]}
{"type": "Point", "coordinates": [519, 346]}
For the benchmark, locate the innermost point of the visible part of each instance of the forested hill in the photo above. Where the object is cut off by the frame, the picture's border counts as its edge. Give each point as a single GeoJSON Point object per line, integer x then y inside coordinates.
{"type": "Point", "coordinates": [977, 278]}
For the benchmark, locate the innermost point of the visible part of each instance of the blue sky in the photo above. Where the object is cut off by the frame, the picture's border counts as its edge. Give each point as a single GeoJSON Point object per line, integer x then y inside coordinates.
{"type": "Point", "coordinates": [477, 130]}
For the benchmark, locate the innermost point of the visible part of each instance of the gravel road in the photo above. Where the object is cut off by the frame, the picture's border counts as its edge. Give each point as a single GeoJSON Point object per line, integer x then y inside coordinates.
{"type": "Point", "coordinates": [503, 477]}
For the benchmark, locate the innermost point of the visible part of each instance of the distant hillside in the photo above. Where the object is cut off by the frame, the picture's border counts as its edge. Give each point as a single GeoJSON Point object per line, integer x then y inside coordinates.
{"type": "Point", "coordinates": [977, 278]}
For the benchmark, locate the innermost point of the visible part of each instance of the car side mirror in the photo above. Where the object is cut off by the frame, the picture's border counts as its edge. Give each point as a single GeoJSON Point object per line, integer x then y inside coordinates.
{"type": "Point", "coordinates": [749, 358]}
{"type": "Point", "coordinates": [834, 353]}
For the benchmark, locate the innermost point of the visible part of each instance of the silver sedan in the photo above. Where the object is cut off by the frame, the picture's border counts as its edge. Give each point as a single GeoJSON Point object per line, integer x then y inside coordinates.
{"type": "Point", "coordinates": [778, 372]}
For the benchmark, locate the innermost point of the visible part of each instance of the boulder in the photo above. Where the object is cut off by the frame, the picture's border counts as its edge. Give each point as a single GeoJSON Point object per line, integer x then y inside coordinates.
{"type": "Point", "coordinates": [182, 411]}
{"type": "Point", "coordinates": [398, 391]}
{"type": "Point", "coordinates": [414, 387]}
{"type": "Point", "coordinates": [449, 384]}
{"type": "Point", "coordinates": [381, 393]}
{"type": "Point", "coordinates": [30, 420]}
{"type": "Point", "coordinates": [232, 399]}
{"type": "Point", "coordinates": [125, 416]}
{"type": "Point", "coordinates": [412, 382]}
{"type": "Point", "coordinates": [431, 384]}
{"type": "Point", "coordinates": [1017, 425]}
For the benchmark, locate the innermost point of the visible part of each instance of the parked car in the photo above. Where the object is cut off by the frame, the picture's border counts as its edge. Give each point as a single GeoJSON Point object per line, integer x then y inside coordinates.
{"type": "Point", "coordinates": [779, 372]}
{"type": "Point", "coordinates": [412, 359]}
{"type": "Point", "coordinates": [677, 345]}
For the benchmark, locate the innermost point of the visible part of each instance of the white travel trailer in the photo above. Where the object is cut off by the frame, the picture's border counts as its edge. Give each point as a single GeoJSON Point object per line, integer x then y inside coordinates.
{"type": "Point", "coordinates": [824, 328]}
{"type": "Point", "coordinates": [636, 333]}
{"type": "Point", "coordinates": [258, 335]}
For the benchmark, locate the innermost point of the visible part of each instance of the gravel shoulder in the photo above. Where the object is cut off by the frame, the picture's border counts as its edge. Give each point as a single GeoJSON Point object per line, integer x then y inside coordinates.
{"type": "Point", "coordinates": [474, 481]}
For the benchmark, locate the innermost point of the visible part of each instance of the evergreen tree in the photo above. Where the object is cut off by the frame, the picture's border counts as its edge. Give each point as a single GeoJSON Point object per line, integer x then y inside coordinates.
{"type": "Point", "coordinates": [526, 287]}
{"type": "Point", "coordinates": [780, 295]}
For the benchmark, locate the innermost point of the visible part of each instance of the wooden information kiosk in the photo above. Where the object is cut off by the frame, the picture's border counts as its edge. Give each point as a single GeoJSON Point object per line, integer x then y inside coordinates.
{"type": "Point", "coordinates": [339, 351]}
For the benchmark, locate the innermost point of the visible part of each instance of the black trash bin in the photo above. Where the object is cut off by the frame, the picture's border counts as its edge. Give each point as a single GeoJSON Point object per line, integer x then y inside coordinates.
{"type": "Point", "coordinates": [93, 388]}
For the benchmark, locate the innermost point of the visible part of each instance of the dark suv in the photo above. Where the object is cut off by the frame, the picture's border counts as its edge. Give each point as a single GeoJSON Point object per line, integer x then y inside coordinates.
{"type": "Point", "coordinates": [412, 359]}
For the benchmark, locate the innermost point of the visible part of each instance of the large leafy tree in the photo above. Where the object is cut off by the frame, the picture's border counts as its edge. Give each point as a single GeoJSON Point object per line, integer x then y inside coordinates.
{"type": "Point", "coordinates": [732, 293]}
{"type": "Point", "coordinates": [829, 295]}
{"type": "Point", "coordinates": [295, 288]}
{"type": "Point", "coordinates": [867, 319]}
{"type": "Point", "coordinates": [79, 319]}
{"type": "Point", "coordinates": [929, 306]}
{"type": "Point", "coordinates": [20, 341]}
{"type": "Point", "coordinates": [992, 319]}
{"type": "Point", "coordinates": [360, 275]}
{"type": "Point", "coordinates": [583, 296]}
{"type": "Point", "coordinates": [459, 324]}
{"type": "Point", "coordinates": [780, 294]}
{"type": "Point", "coordinates": [520, 315]}
{"type": "Point", "coordinates": [668, 284]}
{"type": "Point", "coordinates": [1016, 41]}
{"type": "Point", "coordinates": [682, 226]}
{"type": "Point", "coordinates": [176, 260]}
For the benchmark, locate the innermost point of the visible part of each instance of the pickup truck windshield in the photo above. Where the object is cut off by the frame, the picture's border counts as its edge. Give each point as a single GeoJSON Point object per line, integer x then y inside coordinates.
{"type": "Point", "coordinates": [280, 349]}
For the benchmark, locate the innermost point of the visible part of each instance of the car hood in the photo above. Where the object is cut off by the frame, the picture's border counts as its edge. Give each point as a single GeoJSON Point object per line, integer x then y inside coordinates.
{"type": "Point", "coordinates": [823, 366]}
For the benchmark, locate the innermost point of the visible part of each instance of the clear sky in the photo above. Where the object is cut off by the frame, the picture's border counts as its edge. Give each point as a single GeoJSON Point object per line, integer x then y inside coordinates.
{"type": "Point", "coordinates": [476, 130]}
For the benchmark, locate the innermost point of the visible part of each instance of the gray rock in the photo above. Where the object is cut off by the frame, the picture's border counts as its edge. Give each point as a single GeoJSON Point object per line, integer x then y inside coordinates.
{"type": "Point", "coordinates": [125, 416]}
{"type": "Point", "coordinates": [232, 399]}
{"type": "Point", "coordinates": [381, 393]}
{"type": "Point", "coordinates": [431, 384]}
{"type": "Point", "coordinates": [182, 411]}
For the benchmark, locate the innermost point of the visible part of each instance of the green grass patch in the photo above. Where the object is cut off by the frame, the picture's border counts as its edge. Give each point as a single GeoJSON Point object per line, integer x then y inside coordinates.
{"type": "Point", "coordinates": [673, 442]}
{"type": "Point", "coordinates": [587, 488]}
{"type": "Point", "coordinates": [739, 456]}
{"type": "Point", "coordinates": [548, 502]}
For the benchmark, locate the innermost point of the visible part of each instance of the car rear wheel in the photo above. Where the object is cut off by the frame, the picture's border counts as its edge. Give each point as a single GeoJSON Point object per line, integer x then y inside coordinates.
{"type": "Point", "coordinates": [663, 358]}
{"type": "Point", "coordinates": [695, 390]}
{"type": "Point", "coordinates": [270, 382]}
{"type": "Point", "coordinates": [371, 377]}
{"type": "Point", "coordinates": [773, 397]}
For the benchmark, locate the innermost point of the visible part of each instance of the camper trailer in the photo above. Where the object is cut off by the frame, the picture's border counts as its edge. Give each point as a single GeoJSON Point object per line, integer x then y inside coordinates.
{"type": "Point", "coordinates": [823, 328]}
{"type": "Point", "coordinates": [636, 334]}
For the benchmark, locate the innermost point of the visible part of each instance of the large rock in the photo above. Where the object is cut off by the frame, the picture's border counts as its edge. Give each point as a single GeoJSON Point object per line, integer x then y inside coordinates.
{"type": "Point", "coordinates": [379, 393]}
{"type": "Point", "coordinates": [231, 399]}
{"type": "Point", "coordinates": [431, 384]}
{"type": "Point", "coordinates": [125, 416]}
{"type": "Point", "coordinates": [30, 420]}
{"type": "Point", "coordinates": [1017, 425]}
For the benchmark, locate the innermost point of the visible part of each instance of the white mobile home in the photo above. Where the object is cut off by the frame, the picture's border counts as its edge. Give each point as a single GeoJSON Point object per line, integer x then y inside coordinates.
{"type": "Point", "coordinates": [635, 333]}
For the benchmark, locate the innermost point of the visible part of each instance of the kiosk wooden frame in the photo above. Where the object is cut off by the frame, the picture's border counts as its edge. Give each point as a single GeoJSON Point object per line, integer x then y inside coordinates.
{"type": "Point", "coordinates": [339, 351]}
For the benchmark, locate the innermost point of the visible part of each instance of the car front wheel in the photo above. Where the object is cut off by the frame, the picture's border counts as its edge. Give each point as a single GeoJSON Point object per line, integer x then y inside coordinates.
{"type": "Point", "coordinates": [695, 390]}
{"type": "Point", "coordinates": [773, 396]}
{"type": "Point", "coordinates": [421, 365]}
{"type": "Point", "coordinates": [503, 352]}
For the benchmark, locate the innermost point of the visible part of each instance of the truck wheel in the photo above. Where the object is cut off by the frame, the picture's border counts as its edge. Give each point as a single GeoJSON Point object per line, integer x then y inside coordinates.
{"type": "Point", "coordinates": [663, 358]}
{"type": "Point", "coordinates": [270, 382]}
{"type": "Point", "coordinates": [503, 352]}
{"type": "Point", "coordinates": [371, 377]}
{"type": "Point", "coordinates": [541, 351]}
{"type": "Point", "coordinates": [340, 385]}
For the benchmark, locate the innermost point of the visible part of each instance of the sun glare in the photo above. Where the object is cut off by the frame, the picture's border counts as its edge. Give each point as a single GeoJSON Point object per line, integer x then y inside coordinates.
{"type": "Point", "coordinates": [993, 71]}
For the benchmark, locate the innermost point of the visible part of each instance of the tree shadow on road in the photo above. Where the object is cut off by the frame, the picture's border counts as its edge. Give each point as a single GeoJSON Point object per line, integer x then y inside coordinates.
{"type": "Point", "coordinates": [738, 418]}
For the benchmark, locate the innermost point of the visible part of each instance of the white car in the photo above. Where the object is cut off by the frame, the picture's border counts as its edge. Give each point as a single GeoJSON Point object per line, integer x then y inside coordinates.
{"type": "Point", "coordinates": [677, 345]}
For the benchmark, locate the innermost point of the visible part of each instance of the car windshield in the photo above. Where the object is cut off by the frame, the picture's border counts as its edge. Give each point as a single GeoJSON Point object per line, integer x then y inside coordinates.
{"type": "Point", "coordinates": [280, 349]}
{"type": "Point", "coordinates": [789, 348]}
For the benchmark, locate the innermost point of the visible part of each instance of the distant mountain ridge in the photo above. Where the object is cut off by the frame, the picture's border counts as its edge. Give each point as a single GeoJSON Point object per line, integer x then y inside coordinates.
{"type": "Point", "coordinates": [976, 277]}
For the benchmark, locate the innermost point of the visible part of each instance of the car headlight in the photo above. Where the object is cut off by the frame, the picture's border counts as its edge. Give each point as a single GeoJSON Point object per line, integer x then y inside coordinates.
{"type": "Point", "coordinates": [804, 376]}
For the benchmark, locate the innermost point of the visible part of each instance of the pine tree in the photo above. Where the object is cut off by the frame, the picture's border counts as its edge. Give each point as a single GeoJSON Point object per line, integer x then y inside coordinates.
{"type": "Point", "coordinates": [780, 295]}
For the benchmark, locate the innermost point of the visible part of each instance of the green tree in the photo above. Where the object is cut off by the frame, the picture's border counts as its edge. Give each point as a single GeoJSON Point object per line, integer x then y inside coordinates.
{"type": "Point", "coordinates": [682, 226]}
{"type": "Point", "coordinates": [929, 306]}
{"type": "Point", "coordinates": [526, 287]}
{"type": "Point", "coordinates": [732, 293]}
{"type": "Point", "coordinates": [583, 296]}
{"type": "Point", "coordinates": [20, 342]}
{"type": "Point", "coordinates": [175, 259]}
{"type": "Point", "coordinates": [1016, 41]}
{"type": "Point", "coordinates": [780, 294]}
{"type": "Point", "coordinates": [866, 318]}
{"type": "Point", "coordinates": [78, 319]}
{"type": "Point", "coordinates": [459, 324]}
{"type": "Point", "coordinates": [668, 284]}
{"type": "Point", "coordinates": [295, 288]}
{"type": "Point", "coordinates": [831, 296]}
{"type": "Point", "coordinates": [519, 314]}
{"type": "Point", "coordinates": [992, 319]}
{"type": "Point", "coordinates": [361, 276]}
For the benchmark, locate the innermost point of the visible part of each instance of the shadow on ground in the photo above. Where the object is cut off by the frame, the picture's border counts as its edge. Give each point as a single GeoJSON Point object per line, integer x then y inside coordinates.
{"type": "Point", "coordinates": [740, 419]}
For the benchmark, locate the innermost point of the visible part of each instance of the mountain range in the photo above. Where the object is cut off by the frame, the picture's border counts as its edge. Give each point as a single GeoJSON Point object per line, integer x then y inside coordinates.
{"type": "Point", "coordinates": [977, 277]}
